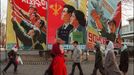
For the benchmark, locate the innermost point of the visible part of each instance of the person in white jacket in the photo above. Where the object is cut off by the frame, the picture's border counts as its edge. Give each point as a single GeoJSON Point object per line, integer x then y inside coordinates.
{"type": "Point", "coordinates": [110, 63]}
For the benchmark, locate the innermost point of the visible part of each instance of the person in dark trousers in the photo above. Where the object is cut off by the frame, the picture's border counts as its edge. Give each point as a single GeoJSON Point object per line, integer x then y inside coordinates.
{"type": "Point", "coordinates": [12, 60]}
{"type": "Point", "coordinates": [98, 60]}
{"type": "Point", "coordinates": [76, 58]}
{"type": "Point", "coordinates": [124, 60]}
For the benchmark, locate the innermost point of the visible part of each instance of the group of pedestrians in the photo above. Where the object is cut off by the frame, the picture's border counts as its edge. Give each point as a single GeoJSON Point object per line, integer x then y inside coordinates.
{"type": "Point", "coordinates": [58, 67]}
{"type": "Point", "coordinates": [107, 67]}
{"type": "Point", "coordinates": [110, 66]}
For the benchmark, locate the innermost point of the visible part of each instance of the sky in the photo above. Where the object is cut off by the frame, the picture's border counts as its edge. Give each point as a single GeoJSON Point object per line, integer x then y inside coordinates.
{"type": "Point", "coordinates": [3, 10]}
{"type": "Point", "coordinates": [127, 7]}
{"type": "Point", "coordinates": [127, 11]}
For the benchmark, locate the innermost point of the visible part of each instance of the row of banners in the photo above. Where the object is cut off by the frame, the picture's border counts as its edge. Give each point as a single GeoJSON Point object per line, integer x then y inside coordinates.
{"type": "Point", "coordinates": [34, 24]}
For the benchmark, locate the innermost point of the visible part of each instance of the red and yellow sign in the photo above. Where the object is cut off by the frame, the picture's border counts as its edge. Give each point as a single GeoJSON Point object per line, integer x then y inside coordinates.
{"type": "Point", "coordinates": [54, 19]}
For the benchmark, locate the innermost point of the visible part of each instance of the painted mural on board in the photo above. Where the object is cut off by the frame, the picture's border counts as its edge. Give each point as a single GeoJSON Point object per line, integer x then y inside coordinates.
{"type": "Point", "coordinates": [26, 24]}
{"type": "Point", "coordinates": [66, 20]}
{"type": "Point", "coordinates": [36, 24]}
{"type": "Point", "coordinates": [104, 21]}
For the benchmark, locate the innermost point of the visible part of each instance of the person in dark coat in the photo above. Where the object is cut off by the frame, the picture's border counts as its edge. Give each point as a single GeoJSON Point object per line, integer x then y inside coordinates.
{"type": "Point", "coordinates": [124, 60]}
{"type": "Point", "coordinates": [12, 60]}
{"type": "Point", "coordinates": [98, 60]}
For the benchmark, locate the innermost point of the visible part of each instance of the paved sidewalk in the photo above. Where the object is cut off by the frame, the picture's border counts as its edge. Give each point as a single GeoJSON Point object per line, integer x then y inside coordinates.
{"type": "Point", "coordinates": [35, 65]}
{"type": "Point", "coordinates": [40, 69]}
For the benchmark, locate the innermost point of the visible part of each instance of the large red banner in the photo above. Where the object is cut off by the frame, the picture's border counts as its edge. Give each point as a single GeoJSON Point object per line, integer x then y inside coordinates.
{"type": "Point", "coordinates": [54, 19]}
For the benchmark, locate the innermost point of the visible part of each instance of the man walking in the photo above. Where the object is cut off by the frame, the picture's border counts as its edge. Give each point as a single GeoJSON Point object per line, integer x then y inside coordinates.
{"type": "Point", "coordinates": [98, 60]}
{"type": "Point", "coordinates": [76, 58]}
{"type": "Point", "coordinates": [12, 60]}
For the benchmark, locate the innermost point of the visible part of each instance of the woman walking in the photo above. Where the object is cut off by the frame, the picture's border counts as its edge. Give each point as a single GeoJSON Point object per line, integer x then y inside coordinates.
{"type": "Point", "coordinates": [57, 66]}
{"type": "Point", "coordinates": [110, 64]}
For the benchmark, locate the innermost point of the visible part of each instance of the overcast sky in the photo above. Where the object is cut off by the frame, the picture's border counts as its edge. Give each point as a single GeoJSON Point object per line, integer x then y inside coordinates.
{"type": "Point", "coordinates": [127, 10]}
{"type": "Point", "coordinates": [3, 10]}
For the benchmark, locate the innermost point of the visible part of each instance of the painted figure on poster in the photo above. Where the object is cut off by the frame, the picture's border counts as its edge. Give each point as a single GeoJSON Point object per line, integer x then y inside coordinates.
{"type": "Point", "coordinates": [79, 32]}
{"type": "Point", "coordinates": [30, 24]}
{"type": "Point", "coordinates": [64, 30]}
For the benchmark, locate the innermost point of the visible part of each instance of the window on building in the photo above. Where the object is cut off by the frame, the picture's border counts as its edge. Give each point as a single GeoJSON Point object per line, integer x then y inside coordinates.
{"type": "Point", "coordinates": [131, 27]}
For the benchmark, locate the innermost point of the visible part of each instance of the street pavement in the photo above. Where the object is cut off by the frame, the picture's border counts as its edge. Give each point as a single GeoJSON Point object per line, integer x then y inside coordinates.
{"type": "Point", "coordinates": [40, 69]}
{"type": "Point", "coordinates": [37, 66]}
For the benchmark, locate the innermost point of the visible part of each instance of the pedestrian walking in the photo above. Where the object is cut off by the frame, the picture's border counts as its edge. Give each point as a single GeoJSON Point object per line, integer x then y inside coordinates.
{"type": "Point", "coordinates": [12, 59]}
{"type": "Point", "coordinates": [57, 66]}
{"type": "Point", "coordinates": [76, 58]}
{"type": "Point", "coordinates": [110, 64]}
{"type": "Point", "coordinates": [98, 60]}
{"type": "Point", "coordinates": [124, 59]}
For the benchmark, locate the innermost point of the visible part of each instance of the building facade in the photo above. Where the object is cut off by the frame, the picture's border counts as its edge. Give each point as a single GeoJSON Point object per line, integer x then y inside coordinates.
{"type": "Point", "coordinates": [128, 34]}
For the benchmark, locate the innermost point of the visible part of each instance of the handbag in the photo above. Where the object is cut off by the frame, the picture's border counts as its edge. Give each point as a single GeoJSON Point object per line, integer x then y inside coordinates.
{"type": "Point", "coordinates": [20, 60]}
